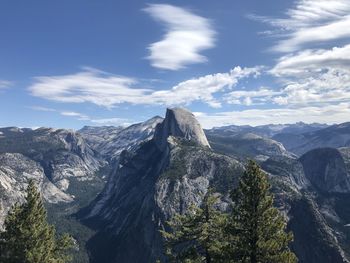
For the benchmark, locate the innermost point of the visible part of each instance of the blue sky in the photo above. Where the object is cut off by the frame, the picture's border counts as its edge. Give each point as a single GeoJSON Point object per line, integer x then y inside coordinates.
{"type": "Point", "coordinates": [74, 63]}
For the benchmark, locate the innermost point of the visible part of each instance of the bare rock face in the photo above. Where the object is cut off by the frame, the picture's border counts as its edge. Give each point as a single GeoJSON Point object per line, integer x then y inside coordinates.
{"type": "Point", "coordinates": [174, 170]}
{"type": "Point", "coordinates": [181, 123]}
{"type": "Point", "coordinates": [56, 159]}
{"type": "Point", "coordinates": [110, 141]}
{"type": "Point", "coordinates": [327, 169]}
{"type": "Point", "coordinates": [247, 145]}
{"type": "Point", "coordinates": [334, 136]}
{"type": "Point", "coordinates": [15, 172]}
{"type": "Point", "coordinates": [165, 175]}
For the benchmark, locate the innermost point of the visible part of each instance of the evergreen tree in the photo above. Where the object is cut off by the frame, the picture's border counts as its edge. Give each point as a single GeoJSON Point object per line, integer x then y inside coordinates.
{"type": "Point", "coordinates": [197, 235]}
{"type": "Point", "coordinates": [28, 238]}
{"type": "Point", "coordinates": [256, 230]}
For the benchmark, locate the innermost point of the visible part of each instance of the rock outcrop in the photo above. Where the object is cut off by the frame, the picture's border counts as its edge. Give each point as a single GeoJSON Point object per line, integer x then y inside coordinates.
{"type": "Point", "coordinates": [56, 159]}
{"type": "Point", "coordinates": [180, 123]}
{"type": "Point", "coordinates": [165, 175]}
{"type": "Point", "coordinates": [247, 145]}
{"type": "Point", "coordinates": [327, 169]}
{"type": "Point", "coordinates": [334, 136]}
{"type": "Point", "coordinates": [109, 141]}
{"type": "Point", "coordinates": [174, 170]}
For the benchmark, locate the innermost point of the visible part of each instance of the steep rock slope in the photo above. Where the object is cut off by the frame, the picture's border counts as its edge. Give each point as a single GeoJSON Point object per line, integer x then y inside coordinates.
{"type": "Point", "coordinates": [327, 169]}
{"type": "Point", "coordinates": [268, 130]}
{"type": "Point", "coordinates": [334, 136]}
{"type": "Point", "coordinates": [165, 175]}
{"type": "Point", "coordinates": [58, 160]}
{"type": "Point", "coordinates": [96, 135]}
{"type": "Point", "coordinates": [310, 215]}
{"type": "Point", "coordinates": [15, 171]}
{"type": "Point", "coordinates": [247, 145]}
{"type": "Point", "coordinates": [180, 123]}
{"type": "Point", "coordinates": [173, 170]}
{"type": "Point", "coordinates": [111, 141]}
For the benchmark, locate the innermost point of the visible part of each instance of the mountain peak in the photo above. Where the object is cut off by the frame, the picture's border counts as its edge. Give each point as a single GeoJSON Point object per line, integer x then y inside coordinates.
{"type": "Point", "coordinates": [180, 122]}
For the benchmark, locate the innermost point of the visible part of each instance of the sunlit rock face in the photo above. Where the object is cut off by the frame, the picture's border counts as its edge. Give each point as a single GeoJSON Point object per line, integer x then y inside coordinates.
{"type": "Point", "coordinates": [175, 169]}
{"type": "Point", "coordinates": [181, 123]}
{"type": "Point", "coordinates": [110, 141]}
{"type": "Point", "coordinates": [53, 158]}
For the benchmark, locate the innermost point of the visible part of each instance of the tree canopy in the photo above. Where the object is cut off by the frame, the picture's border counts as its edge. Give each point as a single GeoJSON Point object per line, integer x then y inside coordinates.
{"type": "Point", "coordinates": [28, 237]}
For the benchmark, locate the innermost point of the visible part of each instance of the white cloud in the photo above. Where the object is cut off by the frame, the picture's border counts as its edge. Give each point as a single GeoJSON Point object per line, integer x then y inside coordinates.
{"type": "Point", "coordinates": [314, 77]}
{"type": "Point", "coordinates": [110, 90]}
{"type": "Point", "coordinates": [329, 114]}
{"type": "Point", "coordinates": [311, 22]}
{"type": "Point", "coordinates": [80, 116]}
{"type": "Point", "coordinates": [186, 35]}
{"type": "Point", "coordinates": [40, 108]}
{"type": "Point", "coordinates": [84, 117]}
{"type": "Point", "coordinates": [87, 86]}
{"type": "Point", "coordinates": [329, 86]}
{"type": "Point", "coordinates": [203, 88]}
{"type": "Point", "coordinates": [112, 121]}
{"type": "Point", "coordinates": [4, 84]}
{"type": "Point", "coordinates": [251, 97]}
{"type": "Point", "coordinates": [313, 61]}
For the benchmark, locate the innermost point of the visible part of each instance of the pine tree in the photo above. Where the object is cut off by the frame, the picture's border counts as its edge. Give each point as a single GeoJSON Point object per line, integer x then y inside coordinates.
{"type": "Point", "coordinates": [28, 238]}
{"type": "Point", "coordinates": [197, 235]}
{"type": "Point", "coordinates": [256, 229]}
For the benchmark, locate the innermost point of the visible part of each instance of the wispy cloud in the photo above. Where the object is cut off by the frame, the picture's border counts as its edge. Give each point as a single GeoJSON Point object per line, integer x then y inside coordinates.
{"type": "Point", "coordinates": [84, 117]}
{"type": "Point", "coordinates": [40, 108]}
{"type": "Point", "coordinates": [203, 88]}
{"type": "Point", "coordinates": [80, 116]}
{"type": "Point", "coordinates": [308, 75]}
{"type": "Point", "coordinates": [251, 97]}
{"type": "Point", "coordinates": [310, 22]}
{"type": "Point", "coordinates": [314, 76]}
{"type": "Point", "coordinates": [4, 84]}
{"type": "Point", "coordinates": [77, 115]}
{"type": "Point", "coordinates": [110, 90]}
{"type": "Point", "coordinates": [329, 114]}
{"type": "Point", "coordinates": [308, 61]}
{"type": "Point", "coordinates": [186, 36]}
{"type": "Point", "coordinates": [87, 86]}
{"type": "Point", "coordinates": [112, 121]}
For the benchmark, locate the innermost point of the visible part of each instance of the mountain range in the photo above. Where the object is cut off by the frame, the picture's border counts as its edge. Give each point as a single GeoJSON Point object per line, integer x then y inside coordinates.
{"type": "Point", "coordinates": [115, 187]}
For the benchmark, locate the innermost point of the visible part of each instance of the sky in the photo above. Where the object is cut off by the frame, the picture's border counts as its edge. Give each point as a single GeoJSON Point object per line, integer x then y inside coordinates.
{"type": "Point", "coordinates": [66, 64]}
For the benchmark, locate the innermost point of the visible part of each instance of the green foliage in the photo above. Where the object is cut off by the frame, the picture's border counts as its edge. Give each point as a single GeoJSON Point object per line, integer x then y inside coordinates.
{"type": "Point", "coordinates": [253, 232]}
{"type": "Point", "coordinates": [28, 238]}
{"type": "Point", "coordinates": [197, 235]}
{"type": "Point", "coordinates": [177, 167]}
{"type": "Point", "coordinates": [256, 230]}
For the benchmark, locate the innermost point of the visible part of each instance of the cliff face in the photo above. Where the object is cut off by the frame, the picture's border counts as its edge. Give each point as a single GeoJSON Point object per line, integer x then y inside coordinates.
{"type": "Point", "coordinates": [164, 176]}
{"type": "Point", "coordinates": [327, 169]}
{"type": "Point", "coordinates": [334, 136]}
{"type": "Point", "coordinates": [163, 166]}
{"type": "Point", "coordinates": [56, 159]}
{"type": "Point", "coordinates": [174, 170]}
{"type": "Point", "coordinates": [247, 145]}
{"type": "Point", "coordinates": [109, 141]}
{"type": "Point", "coordinates": [180, 123]}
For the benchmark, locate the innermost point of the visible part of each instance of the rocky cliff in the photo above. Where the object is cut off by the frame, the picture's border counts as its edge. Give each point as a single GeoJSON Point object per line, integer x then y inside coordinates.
{"type": "Point", "coordinates": [164, 176]}
{"type": "Point", "coordinates": [334, 136]}
{"type": "Point", "coordinates": [56, 159]}
{"type": "Point", "coordinates": [175, 169]}
{"type": "Point", "coordinates": [247, 145]}
{"type": "Point", "coordinates": [109, 141]}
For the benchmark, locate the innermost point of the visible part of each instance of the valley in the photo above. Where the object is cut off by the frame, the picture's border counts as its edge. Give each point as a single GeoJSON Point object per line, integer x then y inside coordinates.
{"type": "Point", "coordinates": [113, 188]}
